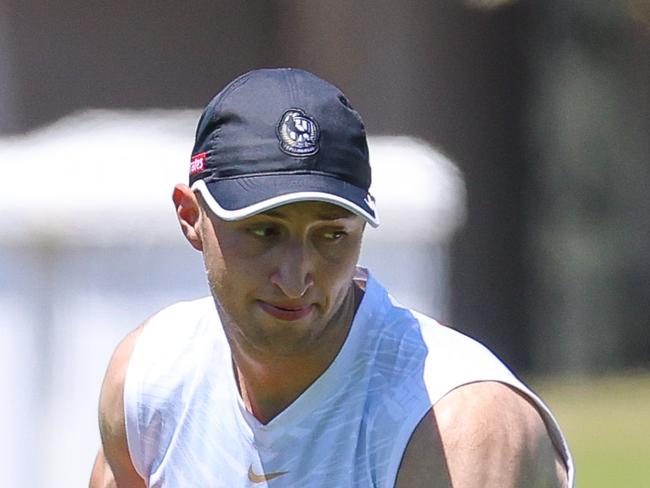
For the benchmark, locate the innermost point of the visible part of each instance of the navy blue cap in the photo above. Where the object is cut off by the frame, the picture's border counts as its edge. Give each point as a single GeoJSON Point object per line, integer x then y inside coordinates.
{"type": "Point", "coordinates": [278, 136]}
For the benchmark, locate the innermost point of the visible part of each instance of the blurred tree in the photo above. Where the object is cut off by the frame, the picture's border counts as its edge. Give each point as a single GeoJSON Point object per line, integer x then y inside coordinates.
{"type": "Point", "coordinates": [589, 100]}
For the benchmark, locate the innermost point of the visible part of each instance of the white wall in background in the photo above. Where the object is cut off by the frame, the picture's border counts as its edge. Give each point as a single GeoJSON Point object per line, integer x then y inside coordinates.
{"type": "Point", "coordinates": [89, 247]}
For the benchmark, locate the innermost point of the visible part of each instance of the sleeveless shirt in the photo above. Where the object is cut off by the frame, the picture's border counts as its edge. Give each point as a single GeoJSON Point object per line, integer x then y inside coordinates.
{"type": "Point", "coordinates": [187, 426]}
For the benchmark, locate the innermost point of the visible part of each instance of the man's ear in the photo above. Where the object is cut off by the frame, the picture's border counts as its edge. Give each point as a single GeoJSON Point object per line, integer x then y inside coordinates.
{"type": "Point", "coordinates": [188, 213]}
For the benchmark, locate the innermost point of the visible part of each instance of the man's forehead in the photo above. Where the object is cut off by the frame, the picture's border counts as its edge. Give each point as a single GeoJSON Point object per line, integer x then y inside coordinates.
{"type": "Point", "coordinates": [314, 209]}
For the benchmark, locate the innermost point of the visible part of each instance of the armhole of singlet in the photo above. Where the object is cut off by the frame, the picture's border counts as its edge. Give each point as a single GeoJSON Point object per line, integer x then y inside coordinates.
{"type": "Point", "coordinates": [145, 350]}
{"type": "Point", "coordinates": [401, 443]}
{"type": "Point", "coordinates": [493, 369]}
{"type": "Point", "coordinates": [132, 396]}
{"type": "Point", "coordinates": [552, 427]}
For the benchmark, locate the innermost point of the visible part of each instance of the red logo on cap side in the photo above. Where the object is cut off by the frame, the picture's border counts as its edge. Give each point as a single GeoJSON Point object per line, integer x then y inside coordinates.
{"type": "Point", "coordinates": [197, 163]}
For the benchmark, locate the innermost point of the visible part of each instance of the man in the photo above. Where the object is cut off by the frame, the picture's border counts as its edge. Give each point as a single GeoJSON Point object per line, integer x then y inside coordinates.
{"type": "Point", "coordinates": [300, 370]}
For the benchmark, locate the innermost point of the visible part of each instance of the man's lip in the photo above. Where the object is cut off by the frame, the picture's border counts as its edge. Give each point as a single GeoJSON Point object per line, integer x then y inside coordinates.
{"type": "Point", "coordinates": [286, 312]}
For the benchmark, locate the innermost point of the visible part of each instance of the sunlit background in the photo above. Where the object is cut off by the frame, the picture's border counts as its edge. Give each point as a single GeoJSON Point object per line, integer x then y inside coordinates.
{"type": "Point", "coordinates": [515, 197]}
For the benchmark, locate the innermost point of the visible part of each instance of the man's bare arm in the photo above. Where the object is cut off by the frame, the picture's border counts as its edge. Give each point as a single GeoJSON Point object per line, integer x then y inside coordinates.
{"type": "Point", "coordinates": [482, 435]}
{"type": "Point", "coordinates": [102, 476]}
{"type": "Point", "coordinates": [113, 467]}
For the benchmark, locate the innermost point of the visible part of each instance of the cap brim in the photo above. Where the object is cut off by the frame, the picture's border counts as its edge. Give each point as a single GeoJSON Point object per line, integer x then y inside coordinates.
{"type": "Point", "coordinates": [241, 197]}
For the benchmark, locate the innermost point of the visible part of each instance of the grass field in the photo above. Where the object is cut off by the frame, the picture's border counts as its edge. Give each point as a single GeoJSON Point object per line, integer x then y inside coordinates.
{"type": "Point", "coordinates": [607, 424]}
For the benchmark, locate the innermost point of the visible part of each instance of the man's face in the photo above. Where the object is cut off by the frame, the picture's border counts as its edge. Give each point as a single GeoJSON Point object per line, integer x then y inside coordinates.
{"type": "Point", "coordinates": [281, 278]}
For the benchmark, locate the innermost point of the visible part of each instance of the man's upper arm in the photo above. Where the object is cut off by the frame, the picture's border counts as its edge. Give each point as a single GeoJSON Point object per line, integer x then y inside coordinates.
{"type": "Point", "coordinates": [483, 435]}
{"type": "Point", "coordinates": [113, 466]}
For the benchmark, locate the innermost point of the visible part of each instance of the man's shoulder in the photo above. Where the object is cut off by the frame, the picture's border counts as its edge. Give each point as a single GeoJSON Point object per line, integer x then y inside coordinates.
{"type": "Point", "coordinates": [463, 359]}
{"type": "Point", "coordinates": [440, 347]}
{"type": "Point", "coordinates": [171, 317]}
{"type": "Point", "coordinates": [179, 318]}
{"type": "Point", "coordinates": [411, 341]}
{"type": "Point", "coordinates": [167, 335]}
{"type": "Point", "coordinates": [185, 310]}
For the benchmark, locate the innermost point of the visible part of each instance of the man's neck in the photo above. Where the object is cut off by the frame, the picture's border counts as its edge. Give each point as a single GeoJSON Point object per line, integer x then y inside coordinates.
{"type": "Point", "coordinates": [269, 384]}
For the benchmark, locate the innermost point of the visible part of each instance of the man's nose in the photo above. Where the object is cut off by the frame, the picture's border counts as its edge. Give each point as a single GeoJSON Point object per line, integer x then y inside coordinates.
{"type": "Point", "coordinates": [293, 273]}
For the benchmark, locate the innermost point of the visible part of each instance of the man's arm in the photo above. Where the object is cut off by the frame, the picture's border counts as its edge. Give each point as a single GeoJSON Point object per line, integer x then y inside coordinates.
{"type": "Point", "coordinates": [113, 467]}
{"type": "Point", "coordinates": [482, 435]}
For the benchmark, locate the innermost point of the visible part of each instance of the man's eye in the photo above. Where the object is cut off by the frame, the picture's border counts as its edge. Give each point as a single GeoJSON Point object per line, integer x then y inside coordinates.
{"type": "Point", "coordinates": [263, 231]}
{"type": "Point", "coordinates": [333, 235]}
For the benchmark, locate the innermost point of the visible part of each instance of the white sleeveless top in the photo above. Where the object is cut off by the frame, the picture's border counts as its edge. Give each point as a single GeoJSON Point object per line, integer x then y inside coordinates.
{"type": "Point", "coordinates": [187, 427]}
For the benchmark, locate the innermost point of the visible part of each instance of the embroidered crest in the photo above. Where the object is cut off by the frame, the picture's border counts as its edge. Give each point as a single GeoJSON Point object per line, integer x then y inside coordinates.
{"type": "Point", "coordinates": [298, 133]}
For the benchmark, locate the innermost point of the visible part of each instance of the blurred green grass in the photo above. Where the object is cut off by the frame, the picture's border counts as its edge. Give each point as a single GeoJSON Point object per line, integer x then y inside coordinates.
{"type": "Point", "coordinates": [607, 424]}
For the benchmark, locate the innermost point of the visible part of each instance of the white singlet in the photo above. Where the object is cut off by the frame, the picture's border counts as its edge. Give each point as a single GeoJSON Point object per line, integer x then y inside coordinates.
{"type": "Point", "coordinates": [187, 426]}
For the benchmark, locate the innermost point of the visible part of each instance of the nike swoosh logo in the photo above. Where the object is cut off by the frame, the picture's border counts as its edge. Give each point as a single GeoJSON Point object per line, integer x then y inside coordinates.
{"type": "Point", "coordinates": [258, 478]}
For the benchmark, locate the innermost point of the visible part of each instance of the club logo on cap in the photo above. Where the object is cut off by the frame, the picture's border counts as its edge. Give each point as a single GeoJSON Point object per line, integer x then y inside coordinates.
{"type": "Point", "coordinates": [298, 133]}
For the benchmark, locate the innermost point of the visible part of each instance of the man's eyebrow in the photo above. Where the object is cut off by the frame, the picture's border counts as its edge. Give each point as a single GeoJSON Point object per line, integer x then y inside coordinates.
{"type": "Point", "coordinates": [273, 213]}
{"type": "Point", "coordinates": [335, 216]}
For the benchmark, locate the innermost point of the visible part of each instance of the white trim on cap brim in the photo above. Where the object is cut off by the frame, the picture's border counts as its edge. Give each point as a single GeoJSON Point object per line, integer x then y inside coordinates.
{"type": "Point", "coordinates": [305, 196]}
